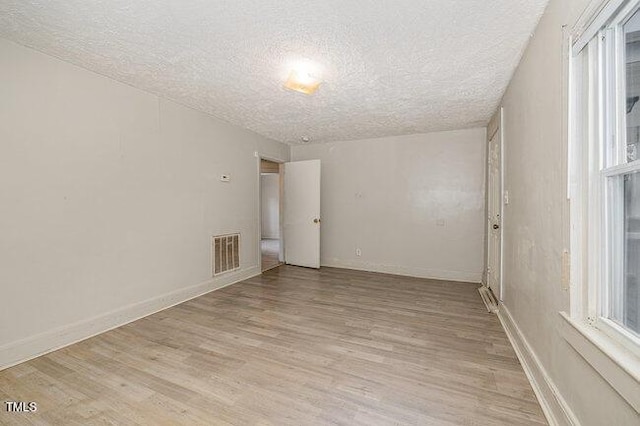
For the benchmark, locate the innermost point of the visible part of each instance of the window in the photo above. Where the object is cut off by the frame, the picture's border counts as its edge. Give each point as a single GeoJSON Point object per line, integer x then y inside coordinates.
{"type": "Point", "coordinates": [603, 324]}
{"type": "Point", "coordinates": [605, 174]}
{"type": "Point", "coordinates": [621, 172]}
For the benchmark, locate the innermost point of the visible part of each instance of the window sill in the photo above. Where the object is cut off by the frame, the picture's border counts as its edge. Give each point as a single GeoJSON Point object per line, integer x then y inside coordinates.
{"type": "Point", "coordinates": [615, 363]}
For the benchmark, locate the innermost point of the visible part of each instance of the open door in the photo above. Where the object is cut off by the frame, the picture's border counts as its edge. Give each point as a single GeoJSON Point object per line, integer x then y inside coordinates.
{"type": "Point", "coordinates": [302, 213]}
{"type": "Point", "coordinates": [495, 211]}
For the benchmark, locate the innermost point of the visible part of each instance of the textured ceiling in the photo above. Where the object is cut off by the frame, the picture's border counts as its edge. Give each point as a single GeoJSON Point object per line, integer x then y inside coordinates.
{"type": "Point", "coordinates": [391, 67]}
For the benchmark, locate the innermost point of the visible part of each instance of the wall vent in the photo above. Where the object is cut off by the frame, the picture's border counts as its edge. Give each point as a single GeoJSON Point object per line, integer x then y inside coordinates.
{"type": "Point", "coordinates": [225, 250]}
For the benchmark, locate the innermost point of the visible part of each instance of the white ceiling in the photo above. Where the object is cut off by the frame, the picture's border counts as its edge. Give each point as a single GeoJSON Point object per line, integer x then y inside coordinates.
{"type": "Point", "coordinates": [390, 67]}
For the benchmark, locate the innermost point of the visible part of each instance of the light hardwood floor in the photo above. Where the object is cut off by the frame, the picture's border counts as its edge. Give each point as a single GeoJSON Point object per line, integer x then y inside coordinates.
{"type": "Point", "coordinates": [293, 346]}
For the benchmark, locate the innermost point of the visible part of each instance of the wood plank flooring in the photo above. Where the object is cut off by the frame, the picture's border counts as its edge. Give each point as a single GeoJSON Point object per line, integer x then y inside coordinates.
{"type": "Point", "coordinates": [293, 346]}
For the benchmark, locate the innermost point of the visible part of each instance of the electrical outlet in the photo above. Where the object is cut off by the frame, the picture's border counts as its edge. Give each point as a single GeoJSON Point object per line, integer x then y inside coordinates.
{"type": "Point", "coordinates": [358, 252]}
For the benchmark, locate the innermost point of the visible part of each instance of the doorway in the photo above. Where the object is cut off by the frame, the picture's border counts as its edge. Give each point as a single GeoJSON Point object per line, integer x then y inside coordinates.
{"type": "Point", "coordinates": [271, 183]}
{"type": "Point", "coordinates": [495, 210]}
{"type": "Point", "coordinates": [302, 213]}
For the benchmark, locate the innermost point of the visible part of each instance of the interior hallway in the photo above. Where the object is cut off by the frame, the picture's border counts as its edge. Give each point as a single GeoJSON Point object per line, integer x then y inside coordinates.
{"type": "Point", "coordinates": [270, 249]}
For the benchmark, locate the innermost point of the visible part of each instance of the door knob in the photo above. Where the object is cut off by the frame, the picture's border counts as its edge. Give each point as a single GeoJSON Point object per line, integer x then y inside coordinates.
{"type": "Point", "coordinates": [496, 226]}
{"type": "Point", "coordinates": [316, 220]}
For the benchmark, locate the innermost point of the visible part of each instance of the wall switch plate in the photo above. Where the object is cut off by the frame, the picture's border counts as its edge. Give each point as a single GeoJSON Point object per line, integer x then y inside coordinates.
{"type": "Point", "coordinates": [225, 178]}
{"type": "Point", "coordinates": [506, 197]}
{"type": "Point", "coordinates": [358, 252]}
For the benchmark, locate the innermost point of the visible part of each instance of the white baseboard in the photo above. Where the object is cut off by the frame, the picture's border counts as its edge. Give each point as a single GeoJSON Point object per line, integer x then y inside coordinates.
{"type": "Point", "coordinates": [553, 405]}
{"type": "Point", "coordinates": [409, 271]}
{"type": "Point", "coordinates": [31, 347]}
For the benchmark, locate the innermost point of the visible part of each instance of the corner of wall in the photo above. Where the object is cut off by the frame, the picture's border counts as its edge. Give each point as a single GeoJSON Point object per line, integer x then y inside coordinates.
{"type": "Point", "coordinates": [554, 406]}
{"type": "Point", "coordinates": [16, 352]}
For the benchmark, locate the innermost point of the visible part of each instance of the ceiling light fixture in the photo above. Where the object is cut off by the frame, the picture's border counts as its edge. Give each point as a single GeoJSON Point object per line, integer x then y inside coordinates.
{"type": "Point", "coordinates": [304, 78]}
{"type": "Point", "coordinates": [305, 139]}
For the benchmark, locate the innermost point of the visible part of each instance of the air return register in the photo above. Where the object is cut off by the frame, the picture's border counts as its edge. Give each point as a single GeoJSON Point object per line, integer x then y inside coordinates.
{"type": "Point", "coordinates": [226, 253]}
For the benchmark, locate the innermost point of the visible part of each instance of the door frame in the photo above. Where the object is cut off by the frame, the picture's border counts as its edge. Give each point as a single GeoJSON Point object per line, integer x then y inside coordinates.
{"type": "Point", "coordinates": [259, 157]}
{"type": "Point", "coordinates": [497, 122]}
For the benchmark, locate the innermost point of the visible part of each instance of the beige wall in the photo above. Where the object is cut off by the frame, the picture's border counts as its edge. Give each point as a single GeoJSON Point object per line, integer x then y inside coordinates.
{"type": "Point", "coordinates": [270, 184]}
{"type": "Point", "coordinates": [536, 223]}
{"type": "Point", "coordinates": [413, 204]}
{"type": "Point", "coordinates": [108, 198]}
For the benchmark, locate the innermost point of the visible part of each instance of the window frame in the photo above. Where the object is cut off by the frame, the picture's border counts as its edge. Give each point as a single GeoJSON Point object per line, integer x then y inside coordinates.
{"type": "Point", "coordinates": [596, 112]}
{"type": "Point", "coordinates": [606, 160]}
{"type": "Point", "coordinates": [614, 165]}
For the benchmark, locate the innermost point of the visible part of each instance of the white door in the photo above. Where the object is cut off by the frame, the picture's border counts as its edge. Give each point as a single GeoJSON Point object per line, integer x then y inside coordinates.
{"type": "Point", "coordinates": [494, 214]}
{"type": "Point", "coordinates": [302, 213]}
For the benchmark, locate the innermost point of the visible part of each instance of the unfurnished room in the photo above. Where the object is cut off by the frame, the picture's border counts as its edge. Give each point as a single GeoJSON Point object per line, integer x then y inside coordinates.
{"type": "Point", "coordinates": [354, 212]}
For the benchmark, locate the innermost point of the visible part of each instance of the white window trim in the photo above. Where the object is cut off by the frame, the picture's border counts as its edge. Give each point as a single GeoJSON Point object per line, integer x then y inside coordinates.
{"type": "Point", "coordinates": [610, 349]}
{"type": "Point", "coordinates": [618, 366]}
